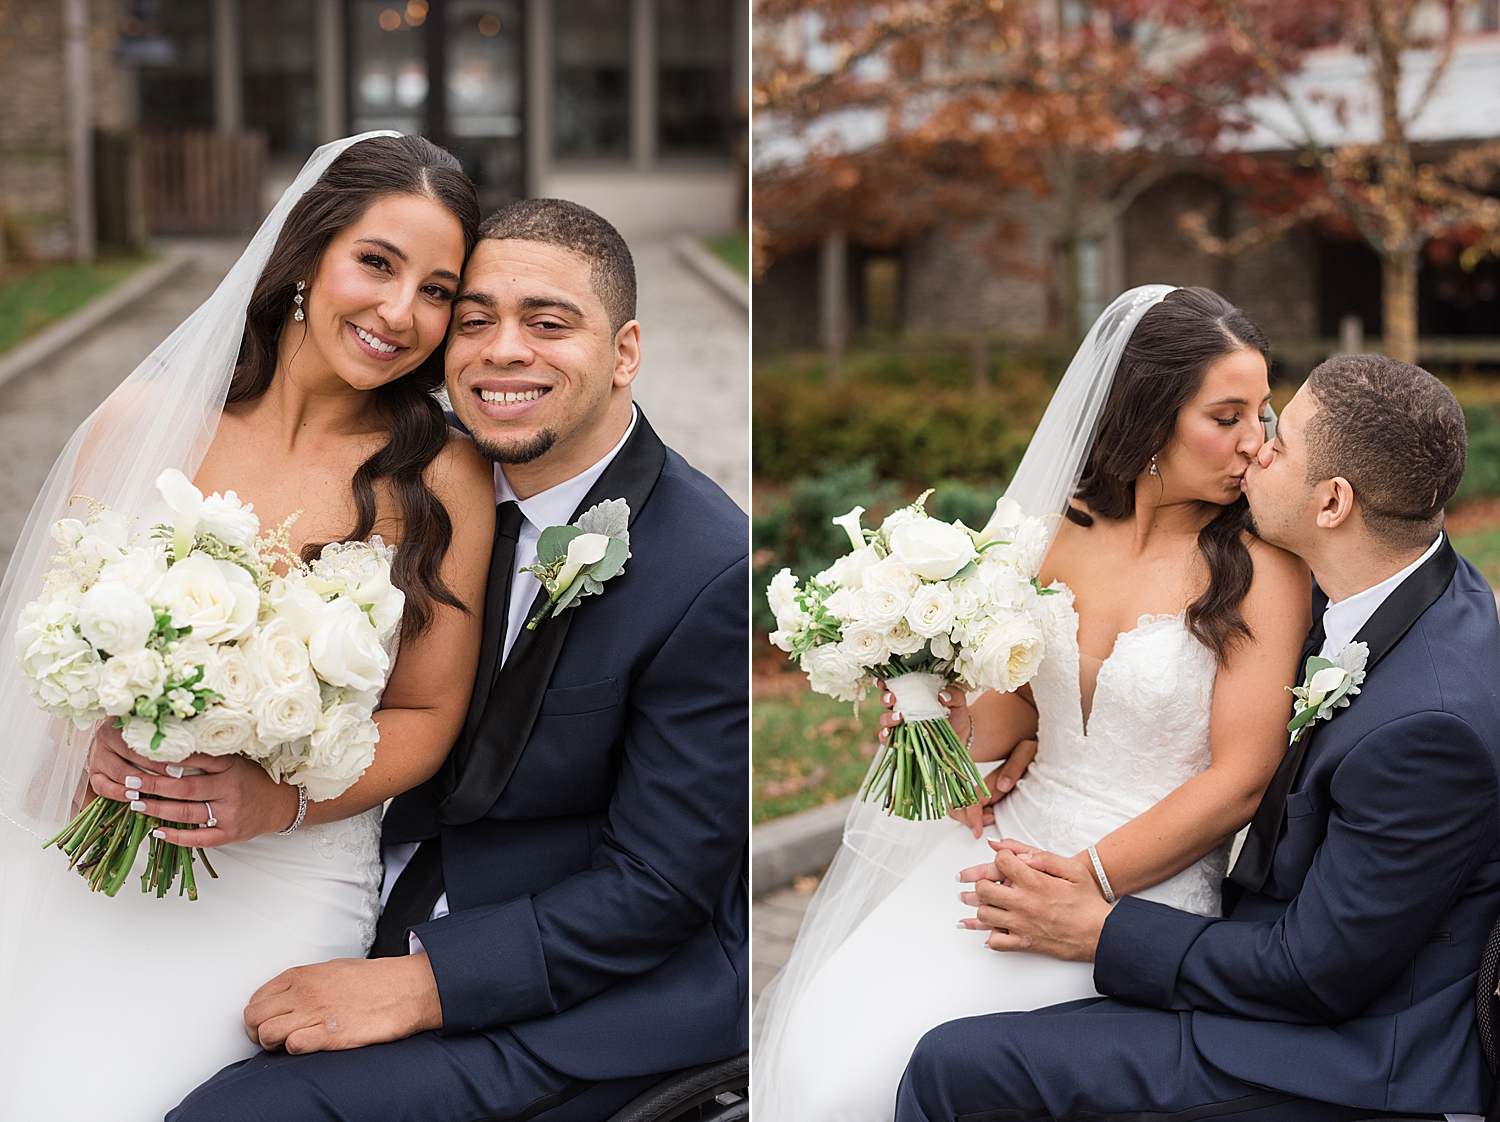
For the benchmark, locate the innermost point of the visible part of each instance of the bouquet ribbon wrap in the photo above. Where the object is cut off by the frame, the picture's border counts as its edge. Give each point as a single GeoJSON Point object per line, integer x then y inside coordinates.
{"type": "Point", "coordinates": [924, 770]}
{"type": "Point", "coordinates": [917, 696]}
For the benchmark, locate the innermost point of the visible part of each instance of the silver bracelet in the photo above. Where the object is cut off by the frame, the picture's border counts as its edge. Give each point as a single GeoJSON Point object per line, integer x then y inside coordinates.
{"type": "Point", "coordinates": [969, 744]}
{"type": "Point", "coordinates": [1109, 893]}
{"type": "Point", "coordinates": [302, 813]}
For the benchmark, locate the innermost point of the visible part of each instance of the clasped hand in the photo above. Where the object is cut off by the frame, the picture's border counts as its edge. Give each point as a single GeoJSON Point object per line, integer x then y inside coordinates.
{"type": "Point", "coordinates": [1032, 900]}
{"type": "Point", "coordinates": [346, 1003]}
{"type": "Point", "coordinates": [246, 802]}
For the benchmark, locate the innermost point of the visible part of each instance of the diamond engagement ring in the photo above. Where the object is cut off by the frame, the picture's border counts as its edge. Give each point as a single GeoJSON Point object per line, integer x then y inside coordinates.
{"type": "Point", "coordinates": [212, 821]}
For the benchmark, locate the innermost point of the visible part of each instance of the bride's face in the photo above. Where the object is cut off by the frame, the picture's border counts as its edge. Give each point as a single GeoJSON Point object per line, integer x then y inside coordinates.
{"type": "Point", "coordinates": [1218, 432]}
{"type": "Point", "coordinates": [378, 303]}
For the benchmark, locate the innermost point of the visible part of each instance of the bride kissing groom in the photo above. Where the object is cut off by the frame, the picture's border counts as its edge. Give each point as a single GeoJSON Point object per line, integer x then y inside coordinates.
{"type": "Point", "coordinates": [1340, 982]}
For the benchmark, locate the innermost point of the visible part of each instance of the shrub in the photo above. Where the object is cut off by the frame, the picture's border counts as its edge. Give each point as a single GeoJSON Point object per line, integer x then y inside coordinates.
{"type": "Point", "coordinates": [1482, 476]}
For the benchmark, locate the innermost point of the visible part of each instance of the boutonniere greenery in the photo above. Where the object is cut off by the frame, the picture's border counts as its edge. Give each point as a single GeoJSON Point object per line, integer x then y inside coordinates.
{"type": "Point", "coordinates": [575, 561]}
{"type": "Point", "coordinates": [1327, 686]}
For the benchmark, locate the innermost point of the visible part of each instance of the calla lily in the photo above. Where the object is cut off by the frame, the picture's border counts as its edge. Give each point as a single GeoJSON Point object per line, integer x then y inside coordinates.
{"type": "Point", "coordinates": [186, 502]}
{"type": "Point", "coordinates": [850, 525]}
{"type": "Point", "coordinates": [1008, 515]}
{"type": "Point", "coordinates": [1323, 683]}
{"type": "Point", "coordinates": [585, 549]}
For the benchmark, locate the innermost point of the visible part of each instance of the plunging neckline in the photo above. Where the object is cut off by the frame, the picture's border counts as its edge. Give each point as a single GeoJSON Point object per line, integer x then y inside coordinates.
{"type": "Point", "coordinates": [1086, 705]}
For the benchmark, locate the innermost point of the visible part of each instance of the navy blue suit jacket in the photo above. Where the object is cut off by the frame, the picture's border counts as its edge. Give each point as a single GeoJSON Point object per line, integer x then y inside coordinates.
{"type": "Point", "coordinates": [1350, 976]}
{"type": "Point", "coordinates": [600, 907]}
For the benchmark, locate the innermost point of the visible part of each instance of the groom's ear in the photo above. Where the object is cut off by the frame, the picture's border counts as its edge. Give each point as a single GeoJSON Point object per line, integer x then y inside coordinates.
{"type": "Point", "coordinates": [1335, 503]}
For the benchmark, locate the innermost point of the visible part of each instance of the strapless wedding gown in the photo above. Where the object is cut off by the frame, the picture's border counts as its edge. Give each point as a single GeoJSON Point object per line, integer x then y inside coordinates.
{"type": "Point", "coordinates": [129, 1003]}
{"type": "Point", "coordinates": [908, 968]}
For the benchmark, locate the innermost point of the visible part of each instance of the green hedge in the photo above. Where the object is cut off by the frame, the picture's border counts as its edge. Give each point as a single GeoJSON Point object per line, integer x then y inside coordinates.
{"type": "Point", "coordinates": [1482, 476]}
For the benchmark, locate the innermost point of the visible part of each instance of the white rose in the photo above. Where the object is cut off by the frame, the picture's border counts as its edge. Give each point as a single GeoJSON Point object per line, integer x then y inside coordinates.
{"type": "Point", "coordinates": [129, 676]}
{"type": "Point", "coordinates": [932, 611]}
{"type": "Point", "coordinates": [933, 550]}
{"type": "Point", "coordinates": [345, 650]}
{"type": "Point", "coordinates": [831, 671]}
{"type": "Point", "coordinates": [362, 573]}
{"type": "Point", "coordinates": [866, 645]}
{"type": "Point", "coordinates": [115, 617]}
{"type": "Point", "coordinates": [285, 713]}
{"type": "Point", "coordinates": [232, 678]}
{"type": "Point", "coordinates": [277, 657]}
{"type": "Point", "coordinates": [217, 599]}
{"type": "Point", "coordinates": [228, 519]}
{"type": "Point", "coordinates": [903, 640]}
{"type": "Point", "coordinates": [1009, 655]}
{"type": "Point", "coordinates": [848, 571]}
{"type": "Point", "coordinates": [141, 568]}
{"type": "Point", "coordinates": [186, 655]}
{"type": "Point", "coordinates": [845, 605]}
{"type": "Point", "coordinates": [899, 517]}
{"type": "Point", "coordinates": [224, 731]}
{"type": "Point", "coordinates": [892, 572]}
{"type": "Point", "coordinates": [177, 739]}
{"type": "Point", "coordinates": [341, 748]}
{"type": "Point", "coordinates": [293, 600]}
{"type": "Point", "coordinates": [781, 595]}
{"type": "Point", "coordinates": [884, 606]}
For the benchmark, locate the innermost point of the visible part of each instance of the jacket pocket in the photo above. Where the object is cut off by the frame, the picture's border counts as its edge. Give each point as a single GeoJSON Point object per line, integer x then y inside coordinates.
{"type": "Point", "coordinates": [1299, 803]}
{"type": "Point", "coordinates": [581, 699]}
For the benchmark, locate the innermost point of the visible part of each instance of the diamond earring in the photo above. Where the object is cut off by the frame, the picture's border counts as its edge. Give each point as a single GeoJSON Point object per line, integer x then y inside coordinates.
{"type": "Point", "coordinates": [1152, 470]}
{"type": "Point", "coordinates": [297, 299]}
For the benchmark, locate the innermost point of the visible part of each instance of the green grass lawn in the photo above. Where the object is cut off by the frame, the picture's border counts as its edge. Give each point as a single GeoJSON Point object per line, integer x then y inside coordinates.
{"type": "Point", "coordinates": [809, 750]}
{"type": "Point", "coordinates": [33, 296]}
{"type": "Point", "coordinates": [1483, 549]}
{"type": "Point", "coordinates": [733, 250]}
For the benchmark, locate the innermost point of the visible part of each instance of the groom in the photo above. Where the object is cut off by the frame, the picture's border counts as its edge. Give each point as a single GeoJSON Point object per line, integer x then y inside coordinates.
{"type": "Point", "coordinates": [1341, 984]}
{"type": "Point", "coordinates": [565, 914]}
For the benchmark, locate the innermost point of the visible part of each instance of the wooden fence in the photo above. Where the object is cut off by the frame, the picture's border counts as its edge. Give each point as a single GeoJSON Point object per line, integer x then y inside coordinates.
{"type": "Point", "coordinates": [203, 182]}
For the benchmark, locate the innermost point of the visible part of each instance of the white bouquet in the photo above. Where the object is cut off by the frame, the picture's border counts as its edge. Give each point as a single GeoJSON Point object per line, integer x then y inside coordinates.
{"type": "Point", "coordinates": [925, 605]}
{"type": "Point", "coordinates": [190, 640]}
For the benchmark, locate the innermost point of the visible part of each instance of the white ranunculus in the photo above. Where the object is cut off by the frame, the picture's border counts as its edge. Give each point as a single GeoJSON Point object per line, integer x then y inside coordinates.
{"type": "Point", "coordinates": [1004, 522]}
{"type": "Point", "coordinates": [341, 748]}
{"type": "Point", "coordinates": [345, 650]}
{"type": "Point", "coordinates": [933, 550]}
{"type": "Point", "coordinates": [217, 599]}
{"type": "Point", "coordinates": [892, 572]}
{"type": "Point", "coordinates": [849, 523]}
{"type": "Point", "coordinates": [285, 713]}
{"type": "Point", "coordinates": [903, 640]}
{"type": "Point", "coordinates": [884, 606]}
{"type": "Point", "coordinates": [931, 611]}
{"type": "Point", "coordinates": [177, 739]}
{"type": "Point", "coordinates": [115, 617]}
{"type": "Point", "coordinates": [232, 678]}
{"type": "Point", "coordinates": [866, 645]}
{"type": "Point", "coordinates": [848, 571]}
{"type": "Point", "coordinates": [224, 731]}
{"type": "Point", "coordinates": [1009, 655]}
{"type": "Point", "coordinates": [228, 519]}
{"type": "Point", "coordinates": [129, 676]}
{"type": "Point", "coordinates": [277, 657]}
{"type": "Point", "coordinates": [831, 671]}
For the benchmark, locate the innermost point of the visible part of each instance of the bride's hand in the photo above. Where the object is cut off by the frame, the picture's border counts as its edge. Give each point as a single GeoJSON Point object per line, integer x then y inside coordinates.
{"type": "Point", "coordinates": [245, 801]}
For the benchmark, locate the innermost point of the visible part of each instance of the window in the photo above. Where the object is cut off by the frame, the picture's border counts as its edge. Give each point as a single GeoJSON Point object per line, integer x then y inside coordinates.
{"type": "Point", "coordinates": [693, 40]}
{"type": "Point", "coordinates": [389, 53]}
{"type": "Point", "coordinates": [591, 95]}
{"type": "Point", "coordinates": [482, 65]}
{"type": "Point", "coordinates": [281, 87]}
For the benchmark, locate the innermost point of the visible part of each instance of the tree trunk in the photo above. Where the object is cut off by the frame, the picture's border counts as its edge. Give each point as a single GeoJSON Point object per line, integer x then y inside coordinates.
{"type": "Point", "coordinates": [1069, 244]}
{"type": "Point", "coordinates": [1398, 291]}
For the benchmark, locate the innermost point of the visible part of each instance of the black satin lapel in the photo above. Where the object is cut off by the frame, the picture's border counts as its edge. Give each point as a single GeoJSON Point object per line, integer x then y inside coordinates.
{"type": "Point", "coordinates": [516, 697]}
{"type": "Point", "coordinates": [1382, 631]}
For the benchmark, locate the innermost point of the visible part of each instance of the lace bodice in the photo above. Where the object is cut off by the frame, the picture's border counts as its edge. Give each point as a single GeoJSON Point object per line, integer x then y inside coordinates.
{"type": "Point", "coordinates": [1146, 734]}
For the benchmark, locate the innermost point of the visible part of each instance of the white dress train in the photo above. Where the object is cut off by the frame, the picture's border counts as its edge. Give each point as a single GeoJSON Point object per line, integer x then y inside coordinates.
{"type": "Point", "coordinates": [908, 967]}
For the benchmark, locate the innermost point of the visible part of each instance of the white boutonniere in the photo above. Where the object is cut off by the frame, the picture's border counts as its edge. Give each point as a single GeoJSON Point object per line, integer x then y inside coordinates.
{"type": "Point", "coordinates": [1329, 686]}
{"type": "Point", "coordinates": [575, 561]}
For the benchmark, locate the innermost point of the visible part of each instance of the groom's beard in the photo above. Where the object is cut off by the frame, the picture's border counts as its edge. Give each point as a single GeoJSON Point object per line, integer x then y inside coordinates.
{"type": "Point", "coordinates": [521, 452]}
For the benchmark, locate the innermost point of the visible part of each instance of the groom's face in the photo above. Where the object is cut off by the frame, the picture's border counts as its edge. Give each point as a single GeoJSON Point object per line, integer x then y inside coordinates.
{"type": "Point", "coordinates": [1282, 500]}
{"type": "Point", "coordinates": [535, 369]}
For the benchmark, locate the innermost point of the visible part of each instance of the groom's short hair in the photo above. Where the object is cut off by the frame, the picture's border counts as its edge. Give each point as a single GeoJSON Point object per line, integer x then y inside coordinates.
{"type": "Point", "coordinates": [576, 228]}
{"type": "Point", "coordinates": [1396, 434]}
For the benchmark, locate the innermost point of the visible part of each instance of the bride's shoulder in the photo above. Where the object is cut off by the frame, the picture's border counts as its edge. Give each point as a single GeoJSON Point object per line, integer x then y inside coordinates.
{"type": "Point", "coordinates": [1280, 589]}
{"type": "Point", "coordinates": [460, 477]}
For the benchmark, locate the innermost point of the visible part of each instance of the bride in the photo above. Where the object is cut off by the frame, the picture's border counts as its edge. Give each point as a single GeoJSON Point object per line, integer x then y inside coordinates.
{"type": "Point", "coordinates": [1159, 711]}
{"type": "Point", "coordinates": [305, 384]}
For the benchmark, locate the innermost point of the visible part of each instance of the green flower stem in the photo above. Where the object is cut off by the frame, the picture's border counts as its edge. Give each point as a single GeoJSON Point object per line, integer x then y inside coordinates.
{"type": "Point", "coordinates": [103, 841]}
{"type": "Point", "coordinates": [923, 773]}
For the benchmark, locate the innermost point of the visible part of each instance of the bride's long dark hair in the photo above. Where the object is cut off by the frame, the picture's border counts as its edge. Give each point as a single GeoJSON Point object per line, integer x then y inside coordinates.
{"type": "Point", "coordinates": [372, 169]}
{"type": "Point", "coordinates": [1162, 368]}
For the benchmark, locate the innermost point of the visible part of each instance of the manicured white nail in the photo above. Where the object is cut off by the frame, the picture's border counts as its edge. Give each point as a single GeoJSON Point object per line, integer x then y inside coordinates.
{"type": "Point", "coordinates": [159, 835]}
{"type": "Point", "coordinates": [175, 770]}
{"type": "Point", "coordinates": [945, 697]}
{"type": "Point", "coordinates": [133, 782]}
{"type": "Point", "coordinates": [897, 717]}
{"type": "Point", "coordinates": [958, 877]}
{"type": "Point", "coordinates": [138, 806]}
{"type": "Point", "coordinates": [962, 926]}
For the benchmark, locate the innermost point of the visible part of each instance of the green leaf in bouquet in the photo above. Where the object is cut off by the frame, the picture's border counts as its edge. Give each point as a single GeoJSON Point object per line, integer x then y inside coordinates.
{"type": "Point", "coordinates": [615, 556]}
{"type": "Point", "coordinates": [967, 571]}
{"type": "Point", "coordinates": [566, 600]}
{"type": "Point", "coordinates": [552, 546]}
{"type": "Point", "coordinates": [1314, 664]}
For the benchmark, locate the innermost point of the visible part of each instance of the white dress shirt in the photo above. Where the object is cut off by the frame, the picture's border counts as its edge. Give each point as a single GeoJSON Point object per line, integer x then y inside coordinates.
{"type": "Point", "coordinates": [552, 507]}
{"type": "Point", "coordinates": [1342, 621]}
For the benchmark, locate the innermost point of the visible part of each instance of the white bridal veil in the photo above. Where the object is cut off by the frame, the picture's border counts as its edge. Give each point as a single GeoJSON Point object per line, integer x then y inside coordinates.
{"type": "Point", "coordinates": [878, 851]}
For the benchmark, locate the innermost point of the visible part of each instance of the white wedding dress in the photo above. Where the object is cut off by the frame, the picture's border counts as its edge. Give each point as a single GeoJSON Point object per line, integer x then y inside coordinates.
{"type": "Point", "coordinates": [908, 968]}
{"type": "Point", "coordinates": [127, 1004]}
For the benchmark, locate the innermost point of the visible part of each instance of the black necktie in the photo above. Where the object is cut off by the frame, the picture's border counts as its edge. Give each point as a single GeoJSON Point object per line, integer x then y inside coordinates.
{"type": "Point", "coordinates": [418, 888]}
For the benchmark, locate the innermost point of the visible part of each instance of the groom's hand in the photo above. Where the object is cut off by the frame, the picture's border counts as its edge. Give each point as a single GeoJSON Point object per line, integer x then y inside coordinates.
{"type": "Point", "coordinates": [1033, 900]}
{"type": "Point", "coordinates": [346, 1003]}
